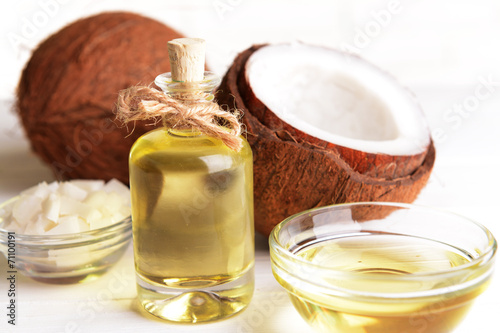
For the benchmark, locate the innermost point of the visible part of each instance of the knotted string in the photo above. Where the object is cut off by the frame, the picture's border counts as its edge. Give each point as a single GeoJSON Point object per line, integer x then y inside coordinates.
{"type": "Point", "coordinates": [185, 111]}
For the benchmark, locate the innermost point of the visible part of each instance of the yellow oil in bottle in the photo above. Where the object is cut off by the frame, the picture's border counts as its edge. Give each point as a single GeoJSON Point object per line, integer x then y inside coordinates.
{"type": "Point", "coordinates": [375, 257]}
{"type": "Point", "coordinates": [192, 212]}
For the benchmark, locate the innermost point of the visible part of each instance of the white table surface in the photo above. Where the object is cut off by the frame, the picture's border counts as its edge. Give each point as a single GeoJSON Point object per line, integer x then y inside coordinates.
{"type": "Point", "coordinates": [441, 63]}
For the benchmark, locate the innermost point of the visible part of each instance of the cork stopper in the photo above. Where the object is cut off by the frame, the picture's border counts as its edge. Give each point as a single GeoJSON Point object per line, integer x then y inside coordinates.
{"type": "Point", "coordinates": [187, 101]}
{"type": "Point", "coordinates": [187, 59]}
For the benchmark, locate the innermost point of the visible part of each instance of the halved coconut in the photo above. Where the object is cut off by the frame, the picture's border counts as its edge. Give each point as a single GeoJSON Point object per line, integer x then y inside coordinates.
{"type": "Point", "coordinates": [325, 127]}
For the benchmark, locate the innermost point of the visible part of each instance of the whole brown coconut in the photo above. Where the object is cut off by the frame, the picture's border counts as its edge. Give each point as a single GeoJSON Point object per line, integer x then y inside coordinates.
{"type": "Point", "coordinates": [67, 92]}
{"type": "Point", "coordinates": [295, 171]}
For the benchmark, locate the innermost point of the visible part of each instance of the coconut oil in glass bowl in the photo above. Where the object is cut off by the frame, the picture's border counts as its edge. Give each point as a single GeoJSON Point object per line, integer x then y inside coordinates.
{"type": "Point", "coordinates": [357, 268]}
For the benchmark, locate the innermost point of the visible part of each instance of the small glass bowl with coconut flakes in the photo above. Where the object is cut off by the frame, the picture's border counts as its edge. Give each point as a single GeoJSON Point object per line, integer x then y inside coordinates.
{"type": "Point", "coordinates": [66, 232]}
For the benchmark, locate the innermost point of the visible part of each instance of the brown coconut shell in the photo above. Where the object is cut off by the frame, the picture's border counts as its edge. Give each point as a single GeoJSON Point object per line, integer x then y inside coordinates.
{"type": "Point", "coordinates": [68, 89]}
{"type": "Point", "coordinates": [294, 172]}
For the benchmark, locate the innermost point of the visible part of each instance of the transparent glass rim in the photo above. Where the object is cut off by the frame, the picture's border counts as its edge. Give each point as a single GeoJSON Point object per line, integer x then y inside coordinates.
{"type": "Point", "coordinates": [120, 228]}
{"type": "Point", "coordinates": [167, 84]}
{"type": "Point", "coordinates": [280, 251]}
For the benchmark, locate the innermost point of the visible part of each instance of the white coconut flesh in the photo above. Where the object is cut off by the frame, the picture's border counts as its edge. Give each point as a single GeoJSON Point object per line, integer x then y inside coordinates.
{"type": "Point", "coordinates": [338, 98]}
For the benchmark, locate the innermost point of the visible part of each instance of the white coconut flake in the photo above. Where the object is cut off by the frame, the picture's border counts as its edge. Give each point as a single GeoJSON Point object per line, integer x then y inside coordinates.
{"type": "Point", "coordinates": [51, 207]}
{"type": "Point", "coordinates": [338, 98]}
{"type": "Point", "coordinates": [72, 191]}
{"type": "Point", "coordinates": [116, 186]}
{"type": "Point", "coordinates": [26, 209]}
{"type": "Point", "coordinates": [89, 185]}
{"type": "Point", "coordinates": [67, 207]}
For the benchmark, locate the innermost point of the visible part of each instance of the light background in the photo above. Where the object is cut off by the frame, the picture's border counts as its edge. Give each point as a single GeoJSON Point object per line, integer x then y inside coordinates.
{"type": "Point", "coordinates": [442, 50]}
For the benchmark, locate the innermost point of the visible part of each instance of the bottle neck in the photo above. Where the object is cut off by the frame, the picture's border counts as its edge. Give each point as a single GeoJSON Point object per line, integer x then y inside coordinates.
{"type": "Point", "coordinates": [189, 92]}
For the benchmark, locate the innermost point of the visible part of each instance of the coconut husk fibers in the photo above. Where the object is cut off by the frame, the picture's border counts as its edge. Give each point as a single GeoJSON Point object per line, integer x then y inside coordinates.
{"type": "Point", "coordinates": [68, 89]}
{"type": "Point", "coordinates": [292, 174]}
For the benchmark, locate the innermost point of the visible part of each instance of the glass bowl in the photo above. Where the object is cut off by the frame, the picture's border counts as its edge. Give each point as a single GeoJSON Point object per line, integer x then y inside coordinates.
{"type": "Point", "coordinates": [67, 258]}
{"type": "Point", "coordinates": [381, 267]}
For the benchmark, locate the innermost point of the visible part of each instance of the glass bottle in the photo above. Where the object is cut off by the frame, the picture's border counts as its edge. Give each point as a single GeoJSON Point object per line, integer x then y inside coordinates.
{"type": "Point", "coordinates": [192, 213]}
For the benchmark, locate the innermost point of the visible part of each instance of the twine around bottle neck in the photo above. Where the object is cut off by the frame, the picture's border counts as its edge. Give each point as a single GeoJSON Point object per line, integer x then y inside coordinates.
{"type": "Point", "coordinates": [180, 109]}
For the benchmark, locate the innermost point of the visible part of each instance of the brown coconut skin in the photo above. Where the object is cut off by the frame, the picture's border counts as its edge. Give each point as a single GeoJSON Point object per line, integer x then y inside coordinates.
{"type": "Point", "coordinates": [67, 92]}
{"type": "Point", "coordinates": [293, 174]}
